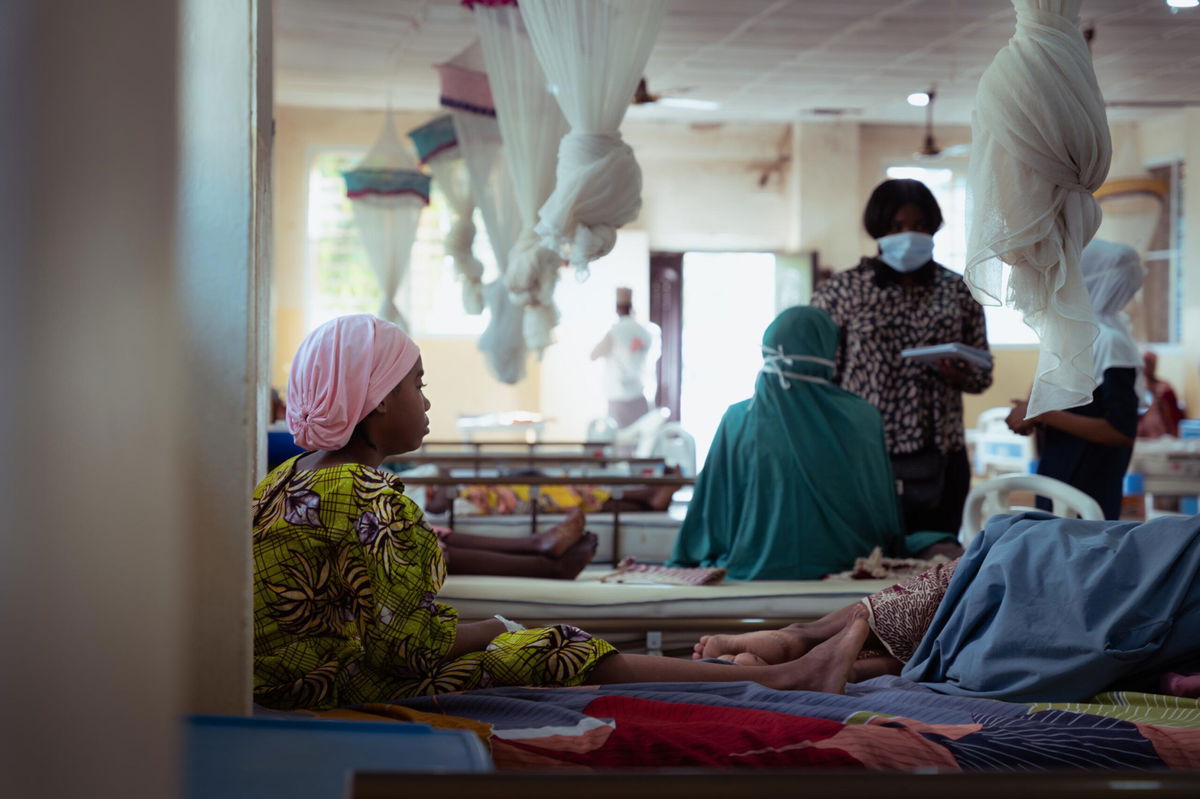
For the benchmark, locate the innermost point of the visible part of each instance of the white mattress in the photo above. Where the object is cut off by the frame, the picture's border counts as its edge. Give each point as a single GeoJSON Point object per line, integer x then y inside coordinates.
{"type": "Point", "coordinates": [648, 536]}
{"type": "Point", "coordinates": [479, 597]}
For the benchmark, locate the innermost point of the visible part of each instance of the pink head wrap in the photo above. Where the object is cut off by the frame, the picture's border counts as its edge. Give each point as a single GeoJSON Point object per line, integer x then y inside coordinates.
{"type": "Point", "coordinates": [340, 373]}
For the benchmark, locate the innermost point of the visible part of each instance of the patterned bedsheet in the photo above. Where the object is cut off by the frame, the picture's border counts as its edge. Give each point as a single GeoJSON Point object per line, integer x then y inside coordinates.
{"type": "Point", "coordinates": [883, 724]}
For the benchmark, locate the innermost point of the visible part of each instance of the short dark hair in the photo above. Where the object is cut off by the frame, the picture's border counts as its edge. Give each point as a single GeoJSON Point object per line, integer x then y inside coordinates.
{"type": "Point", "coordinates": [890, 196]}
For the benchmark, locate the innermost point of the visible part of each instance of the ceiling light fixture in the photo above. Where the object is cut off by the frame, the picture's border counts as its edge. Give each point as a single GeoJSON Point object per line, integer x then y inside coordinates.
{"type": "Point", "coordinates": [691, 103]}
{"type": "Point", "coordinates": [921, 99]}
{"type": "Point", "coordinates": [1183, 3]}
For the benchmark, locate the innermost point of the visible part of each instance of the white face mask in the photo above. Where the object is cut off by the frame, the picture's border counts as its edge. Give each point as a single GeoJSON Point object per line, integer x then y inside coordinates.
{"type": "Point", "coordinates": [906, 252]}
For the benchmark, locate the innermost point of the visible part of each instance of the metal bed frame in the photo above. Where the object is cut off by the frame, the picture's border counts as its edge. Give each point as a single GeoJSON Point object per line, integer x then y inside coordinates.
{"type": "Point", "coordinates": [616, 482]}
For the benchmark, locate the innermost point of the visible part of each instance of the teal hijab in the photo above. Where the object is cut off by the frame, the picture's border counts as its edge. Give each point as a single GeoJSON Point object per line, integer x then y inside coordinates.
{"type": "Point", "coordinates": [798, 482]}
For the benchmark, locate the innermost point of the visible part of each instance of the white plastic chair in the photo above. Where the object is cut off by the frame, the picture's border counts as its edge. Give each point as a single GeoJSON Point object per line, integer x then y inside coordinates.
{"type": "Point", "coordinates": [676, 446]}
{"type": "Point", "coordinates": [602, 431]}
{"type": "Point", "coordinates": [992, 497]}
{"type": "Point", "coordinates": [993, 420]}
{"type": "Point", "coordinates": [999, 450]}
{"type": "Point", "coordinates": [637, 438]}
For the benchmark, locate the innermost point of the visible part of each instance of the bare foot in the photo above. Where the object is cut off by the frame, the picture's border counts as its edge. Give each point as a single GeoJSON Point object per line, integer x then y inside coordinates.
{"type": "Point", "coordinates": [767, 646]}
{"type": "Point", "coordinates": [828, 666]}
{"type": "Point", "coordinates": [562, 536]}
{"type": "Point", "coordinates": [576, 557]}
{"type": "Point", "coordinates": [438, 498]}
{"type": "Point", "coordinates": [744, 659]}
{"type": "Point", "coordinates": [661, 498]}
{"type": "Point", "coordinates": [877, 666]}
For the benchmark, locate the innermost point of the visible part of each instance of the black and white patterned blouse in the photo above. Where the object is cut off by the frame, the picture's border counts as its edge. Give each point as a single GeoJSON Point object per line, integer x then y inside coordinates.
{"type": "Point", "coordinates": [879, 317]}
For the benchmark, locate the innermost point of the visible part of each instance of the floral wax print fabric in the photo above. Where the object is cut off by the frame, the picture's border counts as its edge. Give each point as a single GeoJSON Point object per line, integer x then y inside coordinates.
{"type": "Point", "coordinates": [346, 575]}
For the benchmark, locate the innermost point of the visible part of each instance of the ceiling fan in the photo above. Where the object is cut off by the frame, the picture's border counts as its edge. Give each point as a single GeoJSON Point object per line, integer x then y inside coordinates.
{"type": "Point", "coordinates": [930, 149]}
{"type": "Point", "coordinates": [669, 99]}
{"type": "Point", "coordinates": [1089, 35]}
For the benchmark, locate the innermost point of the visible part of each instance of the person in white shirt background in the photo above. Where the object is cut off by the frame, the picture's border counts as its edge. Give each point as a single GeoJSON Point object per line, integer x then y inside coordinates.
{"type": "Point", "coordinates": [630, 349]}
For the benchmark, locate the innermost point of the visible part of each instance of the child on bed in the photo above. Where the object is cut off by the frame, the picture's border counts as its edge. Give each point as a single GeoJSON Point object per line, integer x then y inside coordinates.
{"type": "Point", "coordinates": [346, 571]}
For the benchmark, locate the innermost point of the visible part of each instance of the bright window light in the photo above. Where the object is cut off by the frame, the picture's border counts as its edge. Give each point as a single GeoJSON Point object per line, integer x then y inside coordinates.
{"type": "Point", "coordinates": [738, 287]}
{"type": "Point", "coordinates": [1183, 3]}
{"type": "Point", "coordinates": [921, 99]}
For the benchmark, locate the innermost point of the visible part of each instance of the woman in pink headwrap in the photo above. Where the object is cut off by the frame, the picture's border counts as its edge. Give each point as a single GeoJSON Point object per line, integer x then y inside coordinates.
{"type": "Point", "coordinates": [346, 571]}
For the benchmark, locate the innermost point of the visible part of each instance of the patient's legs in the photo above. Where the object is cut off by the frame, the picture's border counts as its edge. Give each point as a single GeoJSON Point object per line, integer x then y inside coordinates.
{"type": "Point", "coordinates": [825, 668]}
{"type": "Point", "coordinates": [468, 560]}
{"type": "Point", "coordinates": [899, 616]}
{"type": "Point", "coordinates": [651, 498]}
{"type": "Point", "coordinates": [636, 499]}
{"type": "Point", "coordinates": [776, 646]}
{"type": "Point", "coordinates": [553, 542]}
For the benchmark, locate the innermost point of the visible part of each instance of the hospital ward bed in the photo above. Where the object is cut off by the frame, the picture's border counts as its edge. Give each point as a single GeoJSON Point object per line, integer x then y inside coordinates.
{"type": "Point", "coordinates": [639, 617]}
{"type": "Point", "coordinates": [651, 618]}
{"type": "Point", "coordinates": [667, 618]}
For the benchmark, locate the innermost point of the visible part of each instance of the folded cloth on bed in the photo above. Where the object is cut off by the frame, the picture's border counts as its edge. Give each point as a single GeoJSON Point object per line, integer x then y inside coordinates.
{"type": "Point", "coordinates": [1050, 609]}
{"type": "Point", "coordinates": [876, 567]}
{"type": "Point", "coordinates": [630, 571]}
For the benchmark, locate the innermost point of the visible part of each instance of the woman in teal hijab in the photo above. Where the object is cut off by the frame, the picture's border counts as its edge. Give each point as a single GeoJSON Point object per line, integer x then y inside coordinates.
{"type": "Point", "coordinates": [797, 483]}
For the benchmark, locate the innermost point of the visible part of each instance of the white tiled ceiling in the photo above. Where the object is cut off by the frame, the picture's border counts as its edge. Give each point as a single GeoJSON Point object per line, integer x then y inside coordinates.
{"type": "Point", "coordinates": [760, 59]}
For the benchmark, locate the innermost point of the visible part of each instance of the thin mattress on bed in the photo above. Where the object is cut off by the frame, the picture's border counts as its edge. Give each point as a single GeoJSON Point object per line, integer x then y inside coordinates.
{"type": "Point", "coordinates": [479, 597]}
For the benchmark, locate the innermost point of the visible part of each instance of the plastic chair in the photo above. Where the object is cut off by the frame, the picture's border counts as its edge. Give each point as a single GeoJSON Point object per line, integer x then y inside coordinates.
{"type": "Point", "coordinates": [998, 450]}
{"type": "Point", "coordinates": [992, 497]}
{"type": "Point", "coordinates": [602, 431]}
{"type": "Point", "coordinates": [993, 420]}
{"type": "Point", "coordinates": [637, 438]}
{"type": "Point", "coordinates": [676, 446]}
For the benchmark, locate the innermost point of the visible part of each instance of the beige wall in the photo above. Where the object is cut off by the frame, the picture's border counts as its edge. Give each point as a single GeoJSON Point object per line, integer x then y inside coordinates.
{"type": "Point", "coordinates": [1011, 376]}
{"type": "Point", "coordinates": [1165, 138]}
{"type": "Point", "coordinates": [701, 185]}
{"type": "Point", "coordinates": [460, 384]}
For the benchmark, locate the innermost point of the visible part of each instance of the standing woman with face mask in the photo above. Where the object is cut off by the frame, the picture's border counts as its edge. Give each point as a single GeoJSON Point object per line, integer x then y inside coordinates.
{"type": "Point", "coordinates": [896, 300]}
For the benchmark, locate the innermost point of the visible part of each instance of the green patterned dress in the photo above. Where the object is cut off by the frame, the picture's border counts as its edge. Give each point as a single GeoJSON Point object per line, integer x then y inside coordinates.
{"type": "Point", "coordinates": [346, 575]}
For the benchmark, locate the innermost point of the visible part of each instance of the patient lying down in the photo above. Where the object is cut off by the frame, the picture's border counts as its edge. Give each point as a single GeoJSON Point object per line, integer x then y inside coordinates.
{"type": "Point", "coordinates": [507, 500]}
{"type": "Point", "coordinates": [1039, 609]}
{"type": "Point", "coordinates": [559, 553]}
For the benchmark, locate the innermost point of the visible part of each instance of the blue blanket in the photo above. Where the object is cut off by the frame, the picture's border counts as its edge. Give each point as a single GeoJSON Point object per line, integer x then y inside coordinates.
{"type": "Point", "coordinates": [1049, 609]}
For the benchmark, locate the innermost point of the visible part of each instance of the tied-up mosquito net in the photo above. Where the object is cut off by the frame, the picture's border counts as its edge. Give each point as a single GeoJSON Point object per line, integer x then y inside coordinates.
{"type": "Point", "coordinates": [531, 126]}
{"type": "Point", "coordinates": [438, 150]}
{"type": "Point", "coordinates": [468, 97]}
{"type": "Point", "coordinates": [1040, 147]}
{"type": "Point", "coordinates": [593, 53]}
{"type": "Point", "coordinates": [387, 193]}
